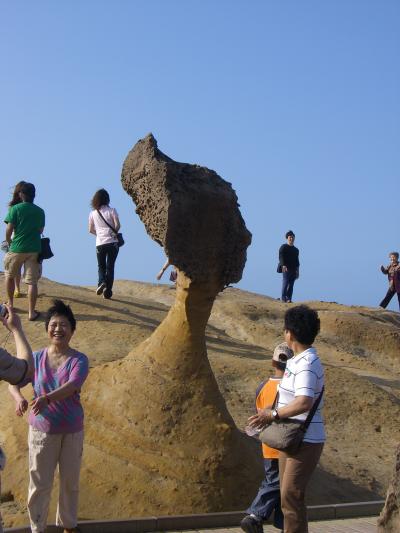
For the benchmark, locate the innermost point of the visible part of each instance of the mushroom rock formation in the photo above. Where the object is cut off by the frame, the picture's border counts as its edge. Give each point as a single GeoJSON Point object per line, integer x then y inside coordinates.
{"type": "Point", "coordinates": [159, 435]}
{"type": "Point", "coordinates": [191, 211]}
{"type": "Point", "coordinates": [389, 520]}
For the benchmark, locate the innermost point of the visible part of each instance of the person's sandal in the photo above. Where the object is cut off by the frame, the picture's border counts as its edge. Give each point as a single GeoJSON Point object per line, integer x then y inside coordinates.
{"type": "Point", "coordinates": [35, 316]}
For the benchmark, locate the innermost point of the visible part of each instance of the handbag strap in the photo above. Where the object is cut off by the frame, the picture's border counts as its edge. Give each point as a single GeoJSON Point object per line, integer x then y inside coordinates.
{"type": "Point", "coordinates": [109, 225]}
{"type": "Point", "coordinates": [313, 410]}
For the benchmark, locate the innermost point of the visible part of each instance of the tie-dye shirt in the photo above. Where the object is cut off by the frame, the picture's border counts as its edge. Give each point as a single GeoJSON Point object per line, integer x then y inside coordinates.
{"type": "Point", "coordinates": [61, 416]}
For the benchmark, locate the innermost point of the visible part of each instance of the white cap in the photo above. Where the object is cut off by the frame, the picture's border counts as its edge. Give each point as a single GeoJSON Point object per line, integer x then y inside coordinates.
{"type": "Point", "coordinates": [282, 353]}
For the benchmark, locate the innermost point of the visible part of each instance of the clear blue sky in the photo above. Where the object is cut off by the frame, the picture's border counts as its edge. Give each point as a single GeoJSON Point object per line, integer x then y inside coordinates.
{"type": "Point", "coordinates": [297, 103]}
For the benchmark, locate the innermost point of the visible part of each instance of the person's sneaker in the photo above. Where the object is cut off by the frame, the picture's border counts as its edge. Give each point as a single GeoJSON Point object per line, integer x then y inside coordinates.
{"type": "Point", "coordinates": [107, 294]}
{"type": "Point", "coordinates": [101, 288]}
{"type": "Point", "coordinates": [251, 525]}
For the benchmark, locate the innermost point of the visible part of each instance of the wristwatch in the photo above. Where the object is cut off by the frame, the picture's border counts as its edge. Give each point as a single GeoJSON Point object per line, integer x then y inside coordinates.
{"type": "Point", "coordinates": [275, 415]}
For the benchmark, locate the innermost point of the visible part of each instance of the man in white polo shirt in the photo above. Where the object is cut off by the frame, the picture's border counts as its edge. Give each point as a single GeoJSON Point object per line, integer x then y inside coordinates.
{"type": "Point", "coordinates": [302, 384]}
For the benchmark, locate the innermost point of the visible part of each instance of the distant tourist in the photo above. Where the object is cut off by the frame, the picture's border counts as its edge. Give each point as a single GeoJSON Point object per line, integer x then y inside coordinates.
{"type": "Point", "coordinates": [25, 222]}
{"type": "Point", "coordinates": [173, 275]}
{"type": "Point", "coordinates": [393, 273]}
{"type": "Point", "coordinates": [104, 223]}
{"type": "Point", "coordinates": [288, 266]}
{"type": "Point", "coordinates": [268, 498]}
{"type": "Point", "coordinates": [14, 369]}
{"type": "Point", "coordinates": [16, 199]}
{"type": "Point", "coordinates": [302, 384]}
{"type": "Point", "coordinates": [55, 421]}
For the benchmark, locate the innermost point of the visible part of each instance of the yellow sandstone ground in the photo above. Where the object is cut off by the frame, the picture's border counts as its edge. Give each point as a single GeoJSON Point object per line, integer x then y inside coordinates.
{"type": "Point", "coordinates": [360, 348]}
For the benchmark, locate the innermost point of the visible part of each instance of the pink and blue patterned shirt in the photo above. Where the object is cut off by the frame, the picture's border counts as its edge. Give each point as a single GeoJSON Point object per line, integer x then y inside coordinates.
{"type": "Point", "coordinates": [61, 416]}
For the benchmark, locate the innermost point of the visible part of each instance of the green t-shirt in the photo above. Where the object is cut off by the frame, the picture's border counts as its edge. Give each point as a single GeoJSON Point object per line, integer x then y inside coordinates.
{"type": "Point", "coordinates": [28, 221]}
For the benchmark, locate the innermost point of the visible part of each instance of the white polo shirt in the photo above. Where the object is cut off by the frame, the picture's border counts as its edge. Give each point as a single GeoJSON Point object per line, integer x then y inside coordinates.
{"type": "Point", "coordinates": [304, 376]}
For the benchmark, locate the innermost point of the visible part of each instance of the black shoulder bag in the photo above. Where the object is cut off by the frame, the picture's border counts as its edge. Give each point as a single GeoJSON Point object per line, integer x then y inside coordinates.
{"type": "Point", "coordinates": [287, 434]}
{"type": "Point", "coordinates": [45, 249]}
{"type": "Point", "coordinates": [120, 239]}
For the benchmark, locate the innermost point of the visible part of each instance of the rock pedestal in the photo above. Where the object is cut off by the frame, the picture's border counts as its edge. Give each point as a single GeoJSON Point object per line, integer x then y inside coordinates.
{"type": "Point", "coordinates": [158, 412]}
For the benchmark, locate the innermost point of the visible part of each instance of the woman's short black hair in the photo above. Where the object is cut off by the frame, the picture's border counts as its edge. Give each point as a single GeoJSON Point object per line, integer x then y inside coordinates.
{"type": "Point", "coordinates": [303, 323]}
{"type": "Point", "coordinates": [59, 308]}
{"type": "Point", "coordinates": [101, 197]}
{"type": "Point", "coordinates": [289, 233]}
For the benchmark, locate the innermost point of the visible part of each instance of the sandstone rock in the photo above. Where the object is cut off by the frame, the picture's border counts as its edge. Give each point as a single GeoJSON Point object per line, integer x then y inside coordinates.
{"type": "Point", "coordinates": [389, 520]}
{"type": "Point", "coordinates": [159, 413]}
{"type": "Point", "coordinates": [190, 210]}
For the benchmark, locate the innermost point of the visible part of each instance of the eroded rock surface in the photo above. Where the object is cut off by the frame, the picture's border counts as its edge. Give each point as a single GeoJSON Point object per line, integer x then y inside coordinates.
{"type": "Point", "coordinates": [159, 411]}
{"type": "Point", "coordinates": [389, 520]}
{"type": "Point", "coordinates": [190, 210]}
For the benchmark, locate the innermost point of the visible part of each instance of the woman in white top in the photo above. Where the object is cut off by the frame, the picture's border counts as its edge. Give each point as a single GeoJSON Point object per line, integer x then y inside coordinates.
{"type": "Point", "coordinates": [300, 386]}
{"type": "Point", "coordinates": [100, 219]}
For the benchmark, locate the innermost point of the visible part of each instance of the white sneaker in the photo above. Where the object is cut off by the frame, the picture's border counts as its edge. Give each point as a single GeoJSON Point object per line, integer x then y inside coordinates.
{"type": "Point", "coordinates": [100, 288]}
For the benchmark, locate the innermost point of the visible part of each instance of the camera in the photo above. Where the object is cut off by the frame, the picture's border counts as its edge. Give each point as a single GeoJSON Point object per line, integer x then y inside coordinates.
{"type": "Point", "coordinates": [3, 310]}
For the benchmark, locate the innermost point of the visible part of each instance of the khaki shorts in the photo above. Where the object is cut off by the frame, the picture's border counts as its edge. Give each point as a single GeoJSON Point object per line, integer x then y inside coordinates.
{"type": "Point", "coordinates": [32, 269]}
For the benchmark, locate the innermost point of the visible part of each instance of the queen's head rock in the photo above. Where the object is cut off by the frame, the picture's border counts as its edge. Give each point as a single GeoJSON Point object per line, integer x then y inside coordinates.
{"type": "Point", "coordinates": [189, 210]}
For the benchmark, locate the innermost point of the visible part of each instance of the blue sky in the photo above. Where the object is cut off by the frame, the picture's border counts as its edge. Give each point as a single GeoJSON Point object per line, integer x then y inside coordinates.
{"type": "Point", "coordinates": [295, 103]}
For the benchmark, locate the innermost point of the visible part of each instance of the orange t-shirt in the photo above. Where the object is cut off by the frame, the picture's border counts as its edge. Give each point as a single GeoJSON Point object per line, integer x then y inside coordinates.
{"type": "Point", "coordinates": [266, 396]}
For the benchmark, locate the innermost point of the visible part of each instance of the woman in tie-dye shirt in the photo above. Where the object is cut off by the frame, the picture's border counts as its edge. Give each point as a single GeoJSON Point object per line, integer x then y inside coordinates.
{"type": "Point", "coordinates": [55, 421]}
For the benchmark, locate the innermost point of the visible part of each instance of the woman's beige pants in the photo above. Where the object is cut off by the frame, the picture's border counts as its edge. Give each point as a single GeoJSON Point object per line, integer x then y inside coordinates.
{"type": "Point", "coordinates": [46, 451]}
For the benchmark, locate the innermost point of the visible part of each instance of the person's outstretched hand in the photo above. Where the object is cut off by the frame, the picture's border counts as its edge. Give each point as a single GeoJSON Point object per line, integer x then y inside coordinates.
{"type": "Point", "coordinates": [39, 404]}
{"type": "Point", "coordinates": [21, 406]}
{"type": "Point", "coordinates": [11, 320]}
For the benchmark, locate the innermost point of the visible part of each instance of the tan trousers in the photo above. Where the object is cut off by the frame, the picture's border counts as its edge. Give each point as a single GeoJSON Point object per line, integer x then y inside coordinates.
{"type": "Point", "coordinates": [295, 473]}
{"type": "Point", "coordinates": [46, 450]}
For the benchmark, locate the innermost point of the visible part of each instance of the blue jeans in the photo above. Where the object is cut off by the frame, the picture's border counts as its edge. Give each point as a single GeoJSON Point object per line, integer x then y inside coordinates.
{"type": "Point", "coordinates": [268, 498]}
{"type": "Point", "coordinates": [288, 279]}
{"type": "Point", "coordinates": [106, 257]}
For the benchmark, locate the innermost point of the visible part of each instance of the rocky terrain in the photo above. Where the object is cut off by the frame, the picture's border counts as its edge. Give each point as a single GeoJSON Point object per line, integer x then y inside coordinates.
{"type": "Point", "coordinates": [359, 346]}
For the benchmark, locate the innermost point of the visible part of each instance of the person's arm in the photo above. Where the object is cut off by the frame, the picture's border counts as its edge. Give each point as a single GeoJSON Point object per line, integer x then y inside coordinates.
{"type": "Point", "coordinates": [13, 323]}
{"type": "Point", "coordinates": [384, 270]}
{"type": "Point", "coordinates": [21, 404]}
{"type": "Point", "coordinates": [92, 228]}
{"type": "Point", "coordinates": [282, 258]}
{"type": "Point", "coordinates": [77, 377]}
{"type": "Point", "coordinates": [41, 229]}
{"type": "Point", "coordinates": [300, 405]}
{"type": "Point", "coordinates": [41, 402]}
{"type": "Point", "coordinates": [164, 268]}
{"type": "Point", "coordinates": [9, 232]}
{"type": "Point", "coordinates": [117, 224]}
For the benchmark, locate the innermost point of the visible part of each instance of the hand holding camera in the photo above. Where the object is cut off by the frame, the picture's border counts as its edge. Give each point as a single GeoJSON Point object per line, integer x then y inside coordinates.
{"type": "Point", "coordinates": [9, 318]}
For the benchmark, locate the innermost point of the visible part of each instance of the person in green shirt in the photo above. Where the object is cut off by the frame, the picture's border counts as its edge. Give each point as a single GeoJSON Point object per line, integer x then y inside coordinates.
{"type": "Point", "coordinates": [25, 223]}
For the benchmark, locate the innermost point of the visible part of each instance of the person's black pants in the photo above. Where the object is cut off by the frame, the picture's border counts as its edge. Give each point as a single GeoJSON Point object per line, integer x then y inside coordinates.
{"type": "Point", "coordinates": [389, 295]}
{"type": "Point", "coordinates": [288, 279]}
{"type": "Point", "coordinates": [106, 257]}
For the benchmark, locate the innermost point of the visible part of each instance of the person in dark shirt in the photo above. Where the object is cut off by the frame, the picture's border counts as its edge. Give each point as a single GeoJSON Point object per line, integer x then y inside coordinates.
{"type": "Point", "coordinates": [289, 266]}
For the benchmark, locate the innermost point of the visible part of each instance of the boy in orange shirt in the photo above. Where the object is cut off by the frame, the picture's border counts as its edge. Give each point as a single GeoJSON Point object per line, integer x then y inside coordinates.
{"type": "Point", "coordinates": [268, 498]}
